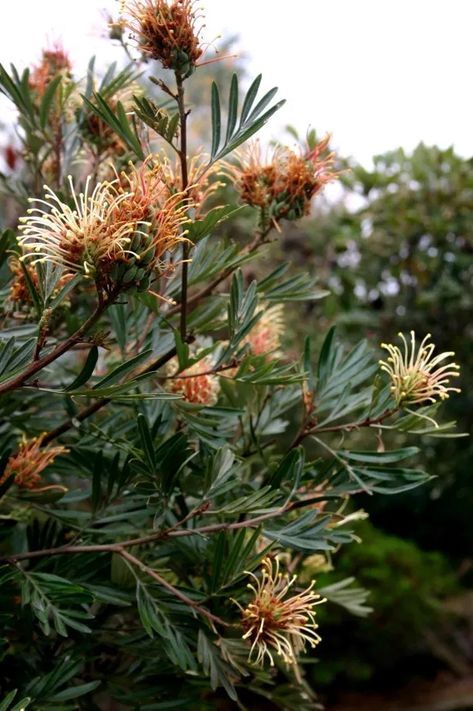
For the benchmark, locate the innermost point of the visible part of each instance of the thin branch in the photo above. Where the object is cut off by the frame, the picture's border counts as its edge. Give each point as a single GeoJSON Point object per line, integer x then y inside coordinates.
{"type": "Point", "coordinates": [164, 583]}
{"type": "Point", "coordinates": [347, 427]}
{"type": "Point", "coordinates": [153, 537]}
{"type": "Point", "coordinates": [62, 348]}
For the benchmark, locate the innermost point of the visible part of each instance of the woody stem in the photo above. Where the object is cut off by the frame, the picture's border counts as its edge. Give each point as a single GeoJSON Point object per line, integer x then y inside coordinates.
{"type": "Point", "coordinates": [62, 348]}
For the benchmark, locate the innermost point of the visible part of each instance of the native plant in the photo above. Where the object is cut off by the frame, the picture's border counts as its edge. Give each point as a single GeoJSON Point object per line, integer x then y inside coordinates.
{"type": "Point", "coordinates": [167, 468]}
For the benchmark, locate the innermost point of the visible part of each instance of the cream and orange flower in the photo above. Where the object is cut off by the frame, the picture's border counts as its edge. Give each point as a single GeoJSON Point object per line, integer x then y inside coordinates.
{"type": "Point", "coordinates": [265, 336]}
{"type": "Point", "coordinates": [274, 621]}
{"type": "Point", "coordinates": [417, 375]}
{"type": "Point", "coordinates": [285, 182]}
{"type": "Point", "coordinates": [121, 226]}
{"type": "Point", "coordinates": [197, 384]}
{"type": "Point", "coordinates": [29, 461]}
{"type": "Point", "coordinates": [166, 30]}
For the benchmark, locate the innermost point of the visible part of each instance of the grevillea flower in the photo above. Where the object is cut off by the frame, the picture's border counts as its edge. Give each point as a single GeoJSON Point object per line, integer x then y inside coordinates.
{"type": "Point", "coordinates": [203, 180]}
{"type": "Point", "coordinates": [148, 202]}
{"type": "Point", "coordinates": [275, 622]}
{"type": "Point", "coordinates": [265, 336]}
{"type": "Point", "coordinates": [166, 30]}
{"type": "Point", "coordinates": [197, 384]}
{"type": "Point", "coordinates": [78, 238]}
{"type": "Point", "coordinates": [30, 460]}
{"type": "Point", "coordinates": [54, 62]}
{"type": "Point", "coordinates": [116, 233]}
{"type": "Point", "coordinates": [417, 375]}
{"type": "Point", "coordinates": [285, 183]}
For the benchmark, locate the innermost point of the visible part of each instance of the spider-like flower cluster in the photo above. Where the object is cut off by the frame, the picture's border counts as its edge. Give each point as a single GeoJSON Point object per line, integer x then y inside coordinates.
{"type": "Point", "coordinates": [417, 375]}
{"type": "Point", "coordinates": [116, 233]}
{"type": "Point", "coordinates": [29, 461]}
{"type": "Point", "coordinates": [265, 336]}
{"type": "Point", "coordinates": [166, 30]}
{"type": "Point", "coordinates": [275, 622]}
{"type": "Point", "coordinates": [283, 184]}
{"type": "Point", "coordinates": [197, 384]}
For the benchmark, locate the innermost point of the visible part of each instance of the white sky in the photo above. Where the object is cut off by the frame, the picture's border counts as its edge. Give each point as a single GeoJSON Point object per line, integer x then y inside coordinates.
{"type": "Point", "coordinates": [375, 73]}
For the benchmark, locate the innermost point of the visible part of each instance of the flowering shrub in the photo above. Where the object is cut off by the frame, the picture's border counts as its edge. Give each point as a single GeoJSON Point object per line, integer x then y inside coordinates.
{"type": "Point", "coordinates": [167, 469]}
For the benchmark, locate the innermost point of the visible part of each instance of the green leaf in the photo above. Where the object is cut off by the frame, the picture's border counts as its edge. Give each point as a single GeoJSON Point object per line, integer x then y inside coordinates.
{"type": "Point", "coordinates": [395, 455]}
{"type": "Point", "coordinates": [290, 468]}
{"type": "Point", "coordinates": [121, 370]}
{"type": "Point", "coordinates": [34, 293]}
{"type": "Point", "coordinates": [74, 692]}
{"type": "Point", "coordinates": [117, 120]}
{"type": "Point", "coordinates": [327, 356]}
{"type": "Point", "coordinates": [147, 442]}
{"type": "Point", "coordinates": [47, 100]}
{"type": "Point", "coordinates": [216, 120]}
{"type": "Point", "coordinates": [64, 291]}
{"type": "Point", "coordinates": [251, 119]}
{"type": "Point", "coordinates": [232, 108]}
{"type": "Point", "coordinates": [202, 228]}
{"type": "Point", "coordinates": [214, 666]}
{"type": "Point", "coordinates": [87, 370]}
{"type": "Point", "coordinates": [250, 98]}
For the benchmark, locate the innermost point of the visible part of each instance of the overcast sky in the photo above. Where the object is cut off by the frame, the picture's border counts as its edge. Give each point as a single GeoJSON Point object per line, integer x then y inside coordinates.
{"type": "Point", "coordinates": [375, 73]}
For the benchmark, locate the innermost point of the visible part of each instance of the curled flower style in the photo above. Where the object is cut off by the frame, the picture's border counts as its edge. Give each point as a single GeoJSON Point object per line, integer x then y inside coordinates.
{"type": "Point", "coordinates": [284, 184]}
{"type": "Point", "coordinates": [265, 336]}
{"type": "Point", "coordinates": [275, 622]}
{"type": "Point", "coordinates": [30, 460]}
{"type": "Point", "coordinates": [79, 238]}
{"type": "Point", "coordinates": [203, 180]}
{"type": "Point", "coordinates": [116, 233]}
{"type": "Point", "coordinates": [166, 30]}
{"type": "Point", "coordinates": [197, 384]}
{"type": "Point", "coordinates": [417, 376]}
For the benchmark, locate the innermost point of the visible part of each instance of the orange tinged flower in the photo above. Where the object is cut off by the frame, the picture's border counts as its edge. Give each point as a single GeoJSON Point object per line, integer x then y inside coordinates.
{"type": "Point", "coordinates": [54, 62]}
{"type": "Point", "coordinates": [284, 184]}
{"type": "Point", "coordinates": [116, 233]}
{"type": "Point", "coordinates": [197, 384]}
{"type": "Point", "coordinates": [274, 621]}
{"type": "Point", "coordinates": [29, 461]}
{"type": "Point", "coordinates": [265, 336]}
{"type": "Point", "coordinates": [166, 30]}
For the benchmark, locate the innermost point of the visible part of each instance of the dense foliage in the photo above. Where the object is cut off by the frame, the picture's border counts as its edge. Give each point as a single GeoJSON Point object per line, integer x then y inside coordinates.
{"type": "Point", "coordinates": [168, 469]}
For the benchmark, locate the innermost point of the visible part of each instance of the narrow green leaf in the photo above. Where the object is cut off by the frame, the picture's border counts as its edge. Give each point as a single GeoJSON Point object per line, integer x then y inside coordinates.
{"type": "Point", "coordinates": [75, 691]}
{"type": "Point", "coordinates": [147, 442]}
{"type": "Point", "coordinates": [232, 108]}
{"type": "Point", "coordinates": [216, 120]}
{"type": "Point", "coordinates": [35, 295]}
{"type": "Point", "coordinates": [326, 355]}
{"type": "Point", "coordinates": [121, 370]}
{"type": "Point", "coordinates": [86, 371]}
{"type": "Point", "coordinates": [47, 100]}
{"type": "Point", "coordinates": [250, 98]}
